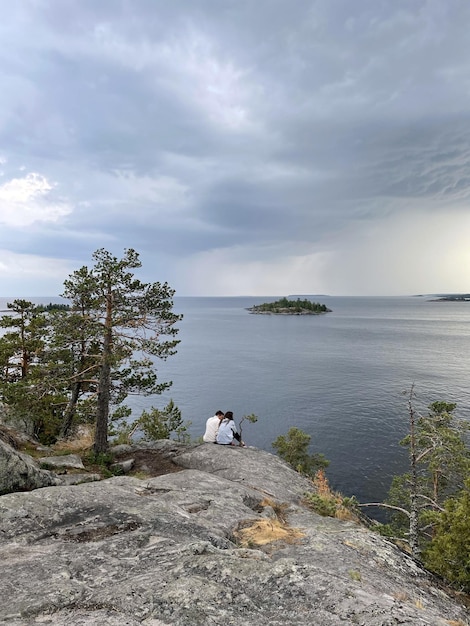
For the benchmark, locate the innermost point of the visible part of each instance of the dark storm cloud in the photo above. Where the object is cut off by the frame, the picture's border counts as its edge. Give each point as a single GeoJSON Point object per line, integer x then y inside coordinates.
{"type": "Point", "coordinates": [192, 128]}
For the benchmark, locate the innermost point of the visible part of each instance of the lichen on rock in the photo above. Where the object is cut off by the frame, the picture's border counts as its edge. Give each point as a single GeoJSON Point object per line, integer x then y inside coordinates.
{"type": "Point", "coordinates": [167, 551]}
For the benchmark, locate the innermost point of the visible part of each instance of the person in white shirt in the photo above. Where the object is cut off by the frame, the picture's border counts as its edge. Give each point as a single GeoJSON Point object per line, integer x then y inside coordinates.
{"type": "Point", "coordinates": [212, 426]}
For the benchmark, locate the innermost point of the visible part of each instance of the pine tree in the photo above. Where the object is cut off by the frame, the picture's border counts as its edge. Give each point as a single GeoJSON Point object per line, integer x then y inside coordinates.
{"type": "Point", "coordinates": [439, 463]}
{"type": "Point", "coordinates": [448, 554]}
{"type": "Point", "coordinates": [25, 384]}
{"type": "Point", "coordinates": [293, 448]}
{"type": "Point", "coordinates": [128, 322]}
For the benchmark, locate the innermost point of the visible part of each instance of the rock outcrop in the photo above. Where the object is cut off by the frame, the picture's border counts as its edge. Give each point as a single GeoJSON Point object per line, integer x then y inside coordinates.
{"type": "Point", "coordinates": [19, 472]}
{"type": "Point", "coordinates": [71, 461]}
{"type": "Point", "coordinates": [226, 540]}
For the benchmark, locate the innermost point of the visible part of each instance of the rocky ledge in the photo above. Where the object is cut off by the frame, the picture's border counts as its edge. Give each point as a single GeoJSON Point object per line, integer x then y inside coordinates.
{"type": "Point", "coordinates": [225, 540]}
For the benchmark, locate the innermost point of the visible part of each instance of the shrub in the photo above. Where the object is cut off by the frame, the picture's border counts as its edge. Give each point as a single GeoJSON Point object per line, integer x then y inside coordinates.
{"type": "Point", "coordinates": [293, 448]}
{"type": "Point", "coordinates": [447, 554]}
{"type": "Point", "coordinates": [329, 503]}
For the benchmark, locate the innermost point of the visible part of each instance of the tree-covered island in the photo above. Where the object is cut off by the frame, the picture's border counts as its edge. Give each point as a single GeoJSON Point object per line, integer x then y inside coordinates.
{"type": "Point", "coordinates": [290, 307]}
{"type": "Point", "coordinates": [458, 297]}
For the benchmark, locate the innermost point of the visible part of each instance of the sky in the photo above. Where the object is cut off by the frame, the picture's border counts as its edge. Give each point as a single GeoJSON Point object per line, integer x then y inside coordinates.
{"type": "Point", "coordinates": [248, 147]}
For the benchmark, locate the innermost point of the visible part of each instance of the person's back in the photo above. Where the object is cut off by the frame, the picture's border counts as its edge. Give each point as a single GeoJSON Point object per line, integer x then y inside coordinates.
{"type": "Point", "coordinates": [227, 430]}
{"type": "Point", "coordinates": [212, 426]}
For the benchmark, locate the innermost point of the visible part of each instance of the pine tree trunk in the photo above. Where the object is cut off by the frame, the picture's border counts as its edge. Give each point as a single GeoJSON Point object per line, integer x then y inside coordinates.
{"type": "Point", "coordinates": [104, 384]}
{"type": "Point", "coordinates": [414, 531]}
{"type": "Point", "coordinates": [414, 511]}
{"type": "Point", "coordinates": [102, 411]}
{"type": "Point", "coordinates": [70, 411]}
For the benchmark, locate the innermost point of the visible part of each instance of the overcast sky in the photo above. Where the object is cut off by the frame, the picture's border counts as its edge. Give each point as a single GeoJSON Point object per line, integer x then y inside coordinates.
{"type": "Point", "coordinates": [242, 147]}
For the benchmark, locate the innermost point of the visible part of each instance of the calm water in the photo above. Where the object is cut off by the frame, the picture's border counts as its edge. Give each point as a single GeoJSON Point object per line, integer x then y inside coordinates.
{"type": "Point", "coordinates": [340, 377]}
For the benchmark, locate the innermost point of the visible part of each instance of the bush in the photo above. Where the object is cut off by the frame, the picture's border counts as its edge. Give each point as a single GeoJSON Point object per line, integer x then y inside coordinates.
{"type": "Point", "coordinates": [293, 448]}
{"type": "Point", "coordinates": [448, 552]}
{"type": "Point", "coordinates": [329, 503]}
{"type": "Point", "coordinates": [325, 507]}
{"type": "Point", "coordinates": [160, 424]}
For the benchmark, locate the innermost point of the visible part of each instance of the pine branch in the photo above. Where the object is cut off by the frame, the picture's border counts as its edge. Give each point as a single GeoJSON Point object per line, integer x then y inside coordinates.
{"type": "Point", "coordinates": [387, 506]}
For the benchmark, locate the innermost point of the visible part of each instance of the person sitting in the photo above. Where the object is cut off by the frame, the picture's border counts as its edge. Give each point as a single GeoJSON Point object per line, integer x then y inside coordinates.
{"type": "Point", "coordinates": [212, 426]}
{"type": "Point", "coordinates": [227, 432]}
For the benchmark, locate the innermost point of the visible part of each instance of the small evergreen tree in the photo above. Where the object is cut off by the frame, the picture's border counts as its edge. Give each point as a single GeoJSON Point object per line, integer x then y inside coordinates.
{"type": "Point", "coordinates": [293, 448]}
{"type": "Point", "coordinates": [27, 384]}
{"type": "Point", "coordinates": [23, 343]}
{"type": "Point", "coordinates": [448, 553]}
{"type": "Point", "coordinates": [252, 418]}
{"type": "Point", "coordinates": [439, 463]}
{"type": "Point", "coordinates": [161, 424]}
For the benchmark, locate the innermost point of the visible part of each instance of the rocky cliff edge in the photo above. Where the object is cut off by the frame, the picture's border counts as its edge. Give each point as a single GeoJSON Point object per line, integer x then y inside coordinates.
{"type": "Point", "coordinates": [226, 540]}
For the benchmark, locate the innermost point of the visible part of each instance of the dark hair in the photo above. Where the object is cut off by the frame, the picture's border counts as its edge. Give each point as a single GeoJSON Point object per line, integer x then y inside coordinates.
{"type": "Point", "coordinates": [219, 412]}
{"type": "Point", "coordinates": [228, 415]}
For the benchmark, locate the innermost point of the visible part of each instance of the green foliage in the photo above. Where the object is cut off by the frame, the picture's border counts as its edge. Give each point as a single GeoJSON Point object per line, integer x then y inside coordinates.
{"type": "Point", "coordinates": [252, 418]}
{"type": "Point", "coordinates": [38, 369]}
{"type": "Point", "coordinates": [65, 364]}
{"type": "Point", "coordinates": [293, 306]}
{"type": "Point", "coordinates": [323, 505]}
{"type": "Point", "coordinates": [385, 530]}
{"type": "Point", "coordinates": [46, 308]}
{"type": "Point", "coordinates": [421, 499]}
{"type": "Point", "coordinates": [125, 325]}
{"type": "Point", "coordinates": [27, 372]}
{"type": "Point", "coordinates": [293, 448]}
{"type": "Point", "coordinates": [448, 553]}
{"type": "Point", "coordinates": [441, 452]}
{"type": "Point", "coordinates": [399, 497]}
{"type": "Point", "coordinates": [104, 463]}
{"type": "Point", "coordinates": [161, 424]}
{"type": "Point", "coordinates": [442, 462]}
{"type": "Point", "coordinates": [23, 343]}
{"type": "Point", "coordinates": [103, 459]}
{"type": "Point", "coordinates": [329, 503]}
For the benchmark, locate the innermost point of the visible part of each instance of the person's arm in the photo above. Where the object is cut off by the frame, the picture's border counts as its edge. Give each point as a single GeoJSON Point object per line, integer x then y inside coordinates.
{"type": "Point", "coordinates": [236, 435]}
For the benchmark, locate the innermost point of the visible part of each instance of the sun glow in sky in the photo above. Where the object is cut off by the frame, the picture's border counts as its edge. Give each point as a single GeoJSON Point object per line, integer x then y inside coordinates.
{"type": "Point", "coordinates": [242, 148]}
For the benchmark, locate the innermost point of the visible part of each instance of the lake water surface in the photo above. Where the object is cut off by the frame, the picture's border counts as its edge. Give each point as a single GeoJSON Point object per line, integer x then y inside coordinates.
{"type": "Point", "coordinates": [340, 377]}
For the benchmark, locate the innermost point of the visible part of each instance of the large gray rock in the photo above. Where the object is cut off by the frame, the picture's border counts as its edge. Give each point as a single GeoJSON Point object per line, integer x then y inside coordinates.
{"type": "Point", "coordinates": [167, 551]}
{"type": "Point", "coordinates": [67, 460]}
{"type": "Point", "coordinates": [64, 461]}
{"type": "Point", "coordinates": [18, 471]}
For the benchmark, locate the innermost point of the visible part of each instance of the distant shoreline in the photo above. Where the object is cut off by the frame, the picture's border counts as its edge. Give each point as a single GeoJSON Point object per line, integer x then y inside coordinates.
{"type": "Point", "coordinates": [464, 297]}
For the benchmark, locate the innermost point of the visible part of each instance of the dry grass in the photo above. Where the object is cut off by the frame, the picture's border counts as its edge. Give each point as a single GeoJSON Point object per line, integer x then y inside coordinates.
{"type": "Point", "coordinates": [81, 442]}
{"type": "Point", "coordinates": [266, 531]}
{"type": "Point", "coordinates": [279, 508]}
{"type": "Point", "coordinates": [261, 532]}
{"type": "Point", "coordinates": [327, 502]}
{"type": "Point", "coordinates": [401, 596]}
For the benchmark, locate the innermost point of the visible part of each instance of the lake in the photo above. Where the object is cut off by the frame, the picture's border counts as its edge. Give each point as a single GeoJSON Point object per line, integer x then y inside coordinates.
{"type": "Point", "coordinates": [343, 377]}
{"type": "Point", "coordinates": [340, 376]}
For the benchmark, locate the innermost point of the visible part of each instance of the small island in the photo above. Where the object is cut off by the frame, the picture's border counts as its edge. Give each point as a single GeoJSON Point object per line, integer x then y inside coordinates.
{"type": "Point", "coordinates": [289, 307]}
{"type": "Point", "coordinates": [459, 297]}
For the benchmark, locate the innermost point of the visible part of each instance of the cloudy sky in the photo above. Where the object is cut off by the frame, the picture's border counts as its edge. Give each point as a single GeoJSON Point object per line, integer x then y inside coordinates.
{"type": "Point", "coordinates": [242, 147]}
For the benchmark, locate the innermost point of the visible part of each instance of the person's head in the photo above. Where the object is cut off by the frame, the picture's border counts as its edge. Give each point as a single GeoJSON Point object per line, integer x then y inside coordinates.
{"type": "Point", "coordinates": [220, 415]}
{"type": "Point", "coordinates": [228, 415]}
